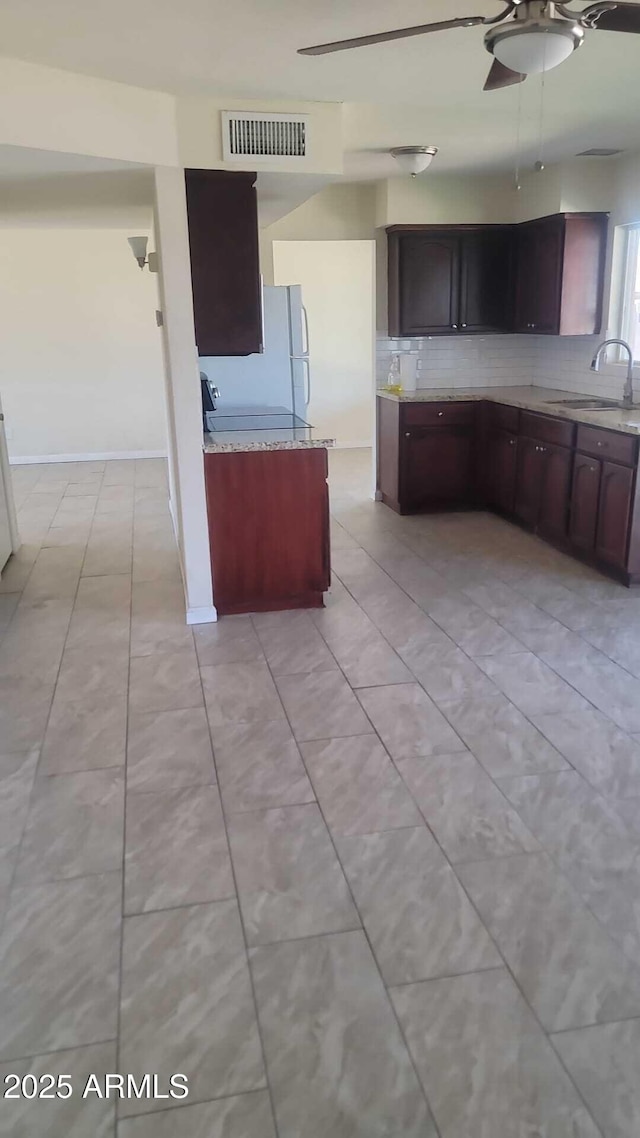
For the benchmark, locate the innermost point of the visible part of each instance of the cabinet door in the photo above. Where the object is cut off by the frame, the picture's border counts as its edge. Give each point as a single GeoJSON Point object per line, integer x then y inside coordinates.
{"type": "Point", "coordinates": [585, 492]}
{"type": "Point", "coordinates": [616, 495]}
{"type": "Point", "coordinates": [539, 276]}
{"type": "Point", "coordinates": [549, 261]}
{"type": "Point", "coordinates": [528, 481]}
{"type": "Point", "coordinates": [501, 457]}
{"type": "Point", "coordinates": [436, 467]}
{"type": "Point", "coordinates": [429, 280]}
{"type": "Point", "coordinates": [554, 491]}
{"type": "Point", "coordinates": [486, 284]}
{"type": "Point", "coordinates": [225, 268]}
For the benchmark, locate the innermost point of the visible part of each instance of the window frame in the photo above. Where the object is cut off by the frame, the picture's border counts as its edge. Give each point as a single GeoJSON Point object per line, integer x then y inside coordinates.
{"type": "Point", "coordinates": [630, 298]}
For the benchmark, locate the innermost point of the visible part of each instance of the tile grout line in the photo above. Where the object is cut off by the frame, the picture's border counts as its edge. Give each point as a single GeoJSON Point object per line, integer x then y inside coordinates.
{"type": "Point", "coordinates": [363, 928]}
{"type": "Point", "coordinates": [13, 884]}
{"type": "Point", "coordinates": [239, 907]}
{"type": "Point", "coordinates": [116, 1120]}
{"type": "Point", "coordinates": [506, 965]}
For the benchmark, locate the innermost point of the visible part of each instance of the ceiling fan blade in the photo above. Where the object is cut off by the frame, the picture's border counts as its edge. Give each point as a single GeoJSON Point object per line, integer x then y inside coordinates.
{"type": "Point", "coordinates": [398, 34]}
{"type": "Point", "coordinates": [501, 76]}
{"type": "Point", "coordinates": [622, 18]}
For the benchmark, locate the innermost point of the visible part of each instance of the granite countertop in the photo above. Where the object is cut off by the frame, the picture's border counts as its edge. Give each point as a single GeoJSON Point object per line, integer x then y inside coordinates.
{"type": "Point", "coordinates": [530, 399]}
{"type": "Point", "coordinates": [230, 441]}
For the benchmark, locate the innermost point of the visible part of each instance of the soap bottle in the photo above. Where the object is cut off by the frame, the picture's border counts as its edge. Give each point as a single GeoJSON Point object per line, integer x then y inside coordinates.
{"type": "Point", "coordinates": [394, 381]}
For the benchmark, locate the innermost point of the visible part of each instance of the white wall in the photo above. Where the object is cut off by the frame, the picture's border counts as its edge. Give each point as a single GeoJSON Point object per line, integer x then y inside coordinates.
{"type": "Point", "coordinates": [447, 199]}
{"type": "Point", "coordinates": [81, 364]}
{"type": "Point", "coordinates": [338, 291]}
{"type": "Point", "coordinates": [183, 398]}
{"type": "Point", "coordinates": [50, 109]}
{"type": "Point", "coordinates": [344, 211]}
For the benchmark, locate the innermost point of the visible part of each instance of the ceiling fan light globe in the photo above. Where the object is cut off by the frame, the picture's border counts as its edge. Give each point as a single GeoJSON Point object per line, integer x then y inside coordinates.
{"type": "Point", "coordinates": [532, 52]}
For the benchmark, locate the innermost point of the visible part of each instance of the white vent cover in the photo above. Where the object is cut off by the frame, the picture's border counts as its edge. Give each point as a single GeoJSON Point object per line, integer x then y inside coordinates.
{"type": "Point", "coordinates": [246, 134]}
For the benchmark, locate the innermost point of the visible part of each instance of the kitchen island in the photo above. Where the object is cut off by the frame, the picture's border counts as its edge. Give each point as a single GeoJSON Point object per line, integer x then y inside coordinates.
{"type": "Point", "coordinates": [268, 510]}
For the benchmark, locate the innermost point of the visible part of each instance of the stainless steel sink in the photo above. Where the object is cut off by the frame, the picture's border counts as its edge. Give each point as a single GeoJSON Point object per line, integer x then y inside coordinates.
{"type": "Point", "coordinates": [586, 403]}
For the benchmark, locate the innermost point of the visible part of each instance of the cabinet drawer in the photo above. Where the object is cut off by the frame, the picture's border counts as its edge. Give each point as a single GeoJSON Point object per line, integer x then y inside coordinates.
{"type": "Point", "coordinates": [438, 414]}
{"type": "Point", "coordinates": [505, 417]}
{"type": "Point", "coordinates": [547, 429]}
{"type": "Point", "coordinates": [608, 444]}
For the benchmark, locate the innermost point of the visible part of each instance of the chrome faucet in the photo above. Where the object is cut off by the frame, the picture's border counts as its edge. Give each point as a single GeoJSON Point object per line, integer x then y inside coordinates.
{"type": "Point", "coordinates": [627, 398]}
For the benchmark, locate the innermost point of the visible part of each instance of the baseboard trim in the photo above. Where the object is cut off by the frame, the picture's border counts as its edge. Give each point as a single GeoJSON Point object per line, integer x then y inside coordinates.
{"type": "Point", "coordinates": [206, 615]}
{"type": "Point", "coordinates": [97, 456]}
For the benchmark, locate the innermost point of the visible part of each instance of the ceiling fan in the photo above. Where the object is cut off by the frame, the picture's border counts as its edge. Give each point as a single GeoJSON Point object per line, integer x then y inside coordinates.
{"type": "Point", "coordinates": [527, 37]}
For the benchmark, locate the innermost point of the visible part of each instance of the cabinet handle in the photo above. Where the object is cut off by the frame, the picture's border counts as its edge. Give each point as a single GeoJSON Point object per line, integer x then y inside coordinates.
{"type": "Point", "coordinates": [407, 434]}
{"type": "Point", "coordinates": [600, 444]}
{"type": "Point", "coordinates": [454, 325]}
{"type": "Point", "coordinates": [592, 469]}
{"type": "Point", "coordinates": [440, 414]}
{"type": "Point", "coordinates": [463, 325]}
{"type": "Point", "coordinates": [512, 442]}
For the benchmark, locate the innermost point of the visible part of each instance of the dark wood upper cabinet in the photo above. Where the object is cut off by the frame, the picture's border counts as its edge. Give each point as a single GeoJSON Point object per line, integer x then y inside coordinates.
{"type": "Point", "coordinates": [425, 268]}
{"type": "Point", "coordinates": [464, 278]}
{"type": "Point", "coordinates": [225, 265]}
{"type": "Point", "coordinates": [445, 281]}
{"type": "Point", "coordinates": [486, 280]}
{"type": "Point", "coordinates": [560, 274]}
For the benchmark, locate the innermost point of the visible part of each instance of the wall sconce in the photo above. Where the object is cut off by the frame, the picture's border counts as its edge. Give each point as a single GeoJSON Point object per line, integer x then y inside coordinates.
{"type": "Point", "coordinates": [139, 249]}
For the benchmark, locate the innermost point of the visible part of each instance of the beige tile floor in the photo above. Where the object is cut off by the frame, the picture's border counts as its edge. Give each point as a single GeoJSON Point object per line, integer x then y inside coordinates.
{"type": "Point", "coordinates": [366, 872]}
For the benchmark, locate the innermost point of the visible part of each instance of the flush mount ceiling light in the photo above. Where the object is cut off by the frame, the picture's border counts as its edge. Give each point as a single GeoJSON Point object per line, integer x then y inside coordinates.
{"type": "Point", "coordinates": [414, 159]}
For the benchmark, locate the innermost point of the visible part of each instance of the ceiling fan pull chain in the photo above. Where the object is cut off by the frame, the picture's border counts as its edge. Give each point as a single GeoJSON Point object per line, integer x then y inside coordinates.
{"type": "Point", "coordinates": [539, 165]}
{"type": "Point", "coordinates": [518, 131]}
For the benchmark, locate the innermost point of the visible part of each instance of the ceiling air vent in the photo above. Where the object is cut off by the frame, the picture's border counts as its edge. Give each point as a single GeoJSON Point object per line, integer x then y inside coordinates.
{"type": "Point", "coordinates": [599, 152]}
{"type": "Point", "coordinates": [263, 137]}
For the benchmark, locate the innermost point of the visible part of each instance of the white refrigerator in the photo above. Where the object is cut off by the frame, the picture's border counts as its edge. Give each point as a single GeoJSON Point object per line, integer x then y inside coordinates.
{"type": "Point", "coordinates": [280, 375]}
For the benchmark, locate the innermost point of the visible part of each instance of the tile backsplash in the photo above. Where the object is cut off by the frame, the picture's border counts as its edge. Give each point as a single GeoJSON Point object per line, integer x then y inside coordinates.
{"type": "Point", "coordinates": [560, 362]}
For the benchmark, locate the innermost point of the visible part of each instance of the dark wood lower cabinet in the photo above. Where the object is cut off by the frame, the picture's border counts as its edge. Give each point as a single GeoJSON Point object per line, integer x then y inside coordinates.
{"type": "Point", "coordinates": [585, 494]}
{"type": "Point", "coordinates": [542, 491]}
{"type": "Point", "coordinates": [529, 481]}
{"type": "Point", "coordinates": [554, 492]}
{"type": "Point", "coordinates": [614, 514]}
{"type": "Point", "coordinates": [268, 529]}
{"type": "Point", "coordinates": [553, 477]}
{"type": "Point", "coordinates": [436, 467]}
{"type": "Point", "coordinates": [501, 465]}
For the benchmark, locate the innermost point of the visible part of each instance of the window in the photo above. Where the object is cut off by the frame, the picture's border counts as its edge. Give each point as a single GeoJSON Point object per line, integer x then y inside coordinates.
{"type": "Point", "coordinates": [631, 291]}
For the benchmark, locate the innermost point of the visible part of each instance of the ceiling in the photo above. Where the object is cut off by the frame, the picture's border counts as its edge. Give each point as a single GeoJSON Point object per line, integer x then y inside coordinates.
{"type": "Point", "coordinates": [421, 90]}
{"type": "Point", "coordinates": [20, 162]}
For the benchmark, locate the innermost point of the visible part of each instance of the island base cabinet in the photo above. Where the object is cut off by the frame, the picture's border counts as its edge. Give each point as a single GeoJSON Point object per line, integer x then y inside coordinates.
{"type": "Point", "coordinates": [268, 529]}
